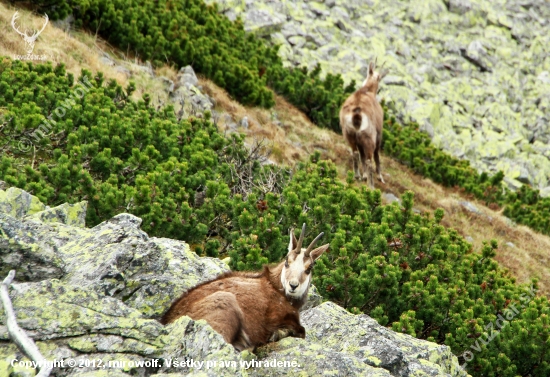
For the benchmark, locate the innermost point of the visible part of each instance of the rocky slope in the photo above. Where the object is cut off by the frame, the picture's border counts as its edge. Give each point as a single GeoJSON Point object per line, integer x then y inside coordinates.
{"type": "Point", "coordinates": [94, 295]}
{"type": "Point", "coordinates": [474, 74]}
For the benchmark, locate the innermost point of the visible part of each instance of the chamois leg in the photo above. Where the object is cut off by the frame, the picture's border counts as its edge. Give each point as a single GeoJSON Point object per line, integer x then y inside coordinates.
{"type": "Point", "coordinates": [362, 159]}
{"type": "Point", "coordinates": [377, 161]}
{"type": "Point", "coordinates": [292, 323]}
{"type": "Point", "coordinates": [351, 139]}
{"type": "Point", "coordinates": [367, 175]}
{"type": "Point", "coordinates": [222, 311]}
{"type": "Point", "coordinates": [366, 149]}
{"type": "Point", "coordinates": [280, 334]}
{"type": "Point", "coordinates": [290, 326]}
{"type": "Point", "coordinates": [356, 171]}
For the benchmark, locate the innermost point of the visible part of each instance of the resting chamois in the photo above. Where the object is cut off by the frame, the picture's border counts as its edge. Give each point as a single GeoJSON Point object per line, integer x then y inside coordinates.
{"type": "Point", "coordinates": [251, 309]}
{"type": "Point", "coordinates": [361, 119]}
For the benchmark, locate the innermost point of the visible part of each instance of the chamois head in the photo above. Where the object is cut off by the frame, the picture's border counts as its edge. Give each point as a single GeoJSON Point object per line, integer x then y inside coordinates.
{"type": "Point", "coordinates": [296, 272]}
{"type": "Point", "coordinates": [374, 77]}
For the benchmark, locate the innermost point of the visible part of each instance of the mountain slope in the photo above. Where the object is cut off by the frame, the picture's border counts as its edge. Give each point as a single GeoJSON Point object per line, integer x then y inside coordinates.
{"type": "Point", "coordinates": [290, 137]}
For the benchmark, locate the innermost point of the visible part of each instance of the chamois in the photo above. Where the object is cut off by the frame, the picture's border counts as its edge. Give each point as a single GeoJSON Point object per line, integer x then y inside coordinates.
{"type": "Point", "coordinates": [250, 309]}
{"type": "Point", "coordinates": [361, 118]}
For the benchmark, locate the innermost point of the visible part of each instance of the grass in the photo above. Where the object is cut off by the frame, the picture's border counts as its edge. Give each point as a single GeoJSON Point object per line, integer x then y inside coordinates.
{"type": "Point", "coordinates": [292, 138]}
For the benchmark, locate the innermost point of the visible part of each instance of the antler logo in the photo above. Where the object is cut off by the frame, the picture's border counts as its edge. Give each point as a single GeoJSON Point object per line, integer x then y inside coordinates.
{"type": "Point", "coordinates": [29, 39]}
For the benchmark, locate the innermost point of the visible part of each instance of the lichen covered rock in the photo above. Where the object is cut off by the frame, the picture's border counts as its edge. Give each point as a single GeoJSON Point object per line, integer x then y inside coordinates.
{"type": "Point", "coordinates": [339, 343]}
{"type": "Point", "coordinates": [115, 258]}
{"type": "Point", "coordinates": [474, 74]}
{"type": "Point", "coordinates": [90, 298]}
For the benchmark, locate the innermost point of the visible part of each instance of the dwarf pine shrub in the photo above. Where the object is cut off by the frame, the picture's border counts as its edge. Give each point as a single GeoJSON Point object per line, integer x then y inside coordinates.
{"type": "Point", "coordinates": [181, 177]}
{"type": "Point", "coordinates": [189, 32]}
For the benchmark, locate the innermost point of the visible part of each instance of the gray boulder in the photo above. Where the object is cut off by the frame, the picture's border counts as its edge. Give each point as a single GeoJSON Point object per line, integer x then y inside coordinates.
{"type": "Point", "coordinates": [264, 21]}
{"type": "Point", "coordinates": [342, 344]}
{"type": "Point", "coordinates": [187, 91]}
{"type": "Point", "coordinates": [116, 258]}
{"type": "Point", "coordinates": [92, 296]}
{"type": "Point", "coordinates": [186, 77]}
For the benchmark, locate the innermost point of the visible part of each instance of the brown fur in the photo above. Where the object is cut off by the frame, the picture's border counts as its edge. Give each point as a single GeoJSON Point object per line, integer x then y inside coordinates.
{"type": "Point", "coordinates": [252, 308]}
{"type": "Point", "coordinates": [245, 308]}
{"type": "Point", "coordinates": [359, 109]}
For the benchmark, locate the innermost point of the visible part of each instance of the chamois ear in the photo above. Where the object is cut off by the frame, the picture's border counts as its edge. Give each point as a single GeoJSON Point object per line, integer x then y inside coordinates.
{"type": "Point", "coordinates": [293, 241]}
{"type": "Point", "coordinates": [371, 68]}
{"type": "Point", "coordinates": [383, 72]}
{"type": "Point", "coordinates": [319, 251]}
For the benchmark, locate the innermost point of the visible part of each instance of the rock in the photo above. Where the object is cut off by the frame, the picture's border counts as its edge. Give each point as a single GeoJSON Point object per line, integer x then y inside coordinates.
{"type": "Point", "coordinates": [320, 11]}
{"type": "Point", "coordinates": [187, 339]}
{"type": "Point", "coordinates": [469, 239]}
{"type": "Point", "coordinates": [512, 184]}
{"type": "Point", "coordinates": [545, 192]}
{"type": "Point", "coordinates": [68, 214]}
{"type": "Point", "coordinates": [187, 92]}
{"type": "Point", "coordinates": [244, 122]}
{"type": "Point", "coordinates": [123, 70]}
{"type": "Point", "coordinates": [390, 198]}
{"type": "Point", "coordinates": [99, 288]}
{"type": "Point", "coordinates": [107, 60]}
{"type": "Point", "coordinates": [147, 68]}
{"type": "Point", "coordinates": [459, 6]}
{"type": "Point", "coordinates": [393, 80]}
{"type": "Point", "coordinates": [168, 83]}
{"type": "Point", "coordinates": [470, 207]}
{"type": "Point", "coordinates": [314, 299]}
{"type": "Point", "coordinates": [544, 77]}
{"type": "Point", "coordinates": [517, 171]}
{"type": "Point", "coordinates": [75, 323]}
{"type": "Point", "coordinates": [201, 102]}
{"type": "Point", "coordinates": [186, 77]}
{"type": "Point", "coordinates": [511, 245]}
{"type": "Point", "coordinates": [340, 343]}
{"type": "Point", "coordinates": [116, 257]}
{"type": "Point", "coordinates": [509, 222]}
{"type": "Point", "coordinates": [95, 294]}
{"type": "Point", "coordinates": [191, 96]}
{"type": "Point", "coordinates": [297, 41]}
{"type": "Point", "coordinates": [18, 203]}
{"type": "Point", "coordinates": [292, 28]}
{"type": "Point", "coordinates": [263, 21]}
{"type": "Point", "coordinates": [476, 54]}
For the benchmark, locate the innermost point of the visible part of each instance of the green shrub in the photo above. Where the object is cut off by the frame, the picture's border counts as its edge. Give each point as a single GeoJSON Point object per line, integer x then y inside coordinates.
{"type": "Point", "coordinates": [189, 32]}
{"type": "Point", "coordinates": [183, 179]}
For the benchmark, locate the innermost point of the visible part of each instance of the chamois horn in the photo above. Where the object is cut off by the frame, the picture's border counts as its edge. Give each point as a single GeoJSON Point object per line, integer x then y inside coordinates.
{"type": "Point", "coordinates": [301, 240]}
{"type": "Point", "coordinates": [310, 247]}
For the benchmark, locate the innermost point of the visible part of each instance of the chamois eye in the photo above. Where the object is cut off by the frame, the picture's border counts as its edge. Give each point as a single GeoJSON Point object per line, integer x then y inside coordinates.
{"type": "Point", "coordinates": [308, 270]}
{"type": "Point", "coordinates": [286, 262]}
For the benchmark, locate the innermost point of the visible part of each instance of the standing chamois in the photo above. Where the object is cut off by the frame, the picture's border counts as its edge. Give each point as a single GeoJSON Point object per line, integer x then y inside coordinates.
{"type": "Point", "coordinates": [361, 119]}
{"type": "Point", "coordinates": [251, 309]}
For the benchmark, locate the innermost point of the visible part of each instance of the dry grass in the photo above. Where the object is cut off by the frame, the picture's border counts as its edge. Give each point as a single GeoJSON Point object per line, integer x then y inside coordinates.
{"type": "Point", "coordinates": [292, 138]}
{"type": "Point", "coordinates": [76, 50]}
{"type": "Point", "coordinates": [526, 257]}
{"type": "Point", "coordinates": [523, 251]}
